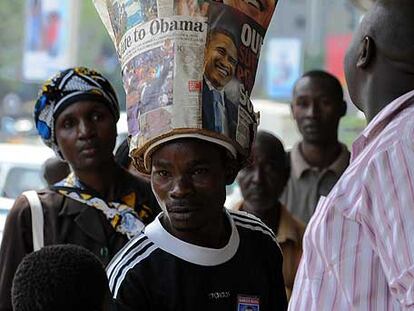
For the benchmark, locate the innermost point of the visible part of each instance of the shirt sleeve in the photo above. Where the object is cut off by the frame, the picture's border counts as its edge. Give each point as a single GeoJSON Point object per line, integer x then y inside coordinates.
{"type": "Point", "coordinates": [132, 295]}
{"type": "Point", "coordinates": [16, 243]}
{"type": "Point", "coordinates": [387, 217]}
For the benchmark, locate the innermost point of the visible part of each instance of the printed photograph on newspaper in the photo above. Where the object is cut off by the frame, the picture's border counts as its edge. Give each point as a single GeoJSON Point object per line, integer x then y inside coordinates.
{"type": "Point", "coordinates": [125, 14]}
{"type": "Point", "coordinates": [191, 7]}
{"type": "Point", "coordinates": [162, 67]}
{"type": "Point", "coordinates": [188, 64]}
{"type": "Point", "coordinates": [148, 81]}
{"type": "Point", "coordinates": [230, 63]}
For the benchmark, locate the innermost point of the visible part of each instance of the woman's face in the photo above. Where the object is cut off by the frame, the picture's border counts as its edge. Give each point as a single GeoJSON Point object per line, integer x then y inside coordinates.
{"type": "Point", "coordinates": [85, 133]}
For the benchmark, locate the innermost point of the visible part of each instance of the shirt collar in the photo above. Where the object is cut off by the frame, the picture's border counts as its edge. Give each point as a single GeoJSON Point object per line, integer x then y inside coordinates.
{"type": "Point", "coordinates": [212, 88]}
{"type": "Point", "coordinates": [299, 164]}
{"type": "Point", "coordinates": [193, 253]}
{"type": "Point", "coordinates": [381, 120]}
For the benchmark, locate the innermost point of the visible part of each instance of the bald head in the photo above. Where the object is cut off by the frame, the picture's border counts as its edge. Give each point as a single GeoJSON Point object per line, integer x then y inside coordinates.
{"type": "Point", "coordinates": [380, 64]}
{"type": "Point", "coordinates": [391, 25]}
{"type": "Point", "coordinates": [268, 144]}
{"type": "Point", "coordinates": [262, 182]}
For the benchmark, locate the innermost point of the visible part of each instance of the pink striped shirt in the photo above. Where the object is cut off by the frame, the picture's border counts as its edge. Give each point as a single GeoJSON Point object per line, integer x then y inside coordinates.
{"type": "Point", "coordinates": [359, 245]}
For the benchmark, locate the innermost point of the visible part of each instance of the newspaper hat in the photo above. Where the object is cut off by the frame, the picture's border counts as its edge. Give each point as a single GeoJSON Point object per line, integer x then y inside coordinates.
{"type": "Point", "coordinates": [188, 69]}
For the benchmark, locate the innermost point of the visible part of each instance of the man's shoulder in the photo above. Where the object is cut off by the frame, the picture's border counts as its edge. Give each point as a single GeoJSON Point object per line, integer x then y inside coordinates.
{"type": "Point", "coordinates": [130, 257]}
{"type": "Point", "coordinates": [250, 224]}
{"type": "Point", "coordinates": [138, 248]}
{"type": "Point", "coordinates": [255, 236]}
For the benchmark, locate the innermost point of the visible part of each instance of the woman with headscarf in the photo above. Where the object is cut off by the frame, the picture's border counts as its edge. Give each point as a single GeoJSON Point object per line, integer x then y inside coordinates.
{"type": "Point", "coordinates": [99, 206]}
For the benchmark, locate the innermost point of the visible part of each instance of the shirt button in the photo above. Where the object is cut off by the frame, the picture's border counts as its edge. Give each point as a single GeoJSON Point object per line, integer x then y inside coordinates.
{"type": "Point", "coordinates": [104, 252]}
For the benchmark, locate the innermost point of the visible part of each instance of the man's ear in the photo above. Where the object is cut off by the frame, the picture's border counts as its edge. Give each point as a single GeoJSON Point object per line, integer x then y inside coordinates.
{"type": "Point", "coordinates": [366, 52]}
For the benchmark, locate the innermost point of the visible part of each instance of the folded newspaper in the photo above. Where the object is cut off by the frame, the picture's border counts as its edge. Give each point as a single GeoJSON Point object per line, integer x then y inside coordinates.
{"type": "Point", "coordinates": [188, 69]}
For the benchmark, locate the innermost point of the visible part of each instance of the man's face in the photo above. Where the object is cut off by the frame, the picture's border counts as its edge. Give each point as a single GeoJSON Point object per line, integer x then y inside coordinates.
{"type": "Point", "coordinates": [220, 60]}
{"type": "Point", "coordinates": [315, 110]}
{"type": "Point", "coordinates": [265, 179]}
{"type": "Point", "coordinates": [188, 179]}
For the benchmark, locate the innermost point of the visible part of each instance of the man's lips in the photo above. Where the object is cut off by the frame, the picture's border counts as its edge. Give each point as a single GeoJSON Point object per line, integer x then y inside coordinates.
{"type": "Point", "coordinates": [313, 127]}
{"type": "Point", "coordinates": [224, 72]}
{"type": "Point", "coordinates": [182, 213]}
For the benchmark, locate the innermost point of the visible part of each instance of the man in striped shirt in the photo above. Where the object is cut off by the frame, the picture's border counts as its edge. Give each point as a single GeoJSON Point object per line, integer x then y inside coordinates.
{"type": "Point", "coordinates": [359, 246]}
{"type": "Point", "coordinates": [196, 255]}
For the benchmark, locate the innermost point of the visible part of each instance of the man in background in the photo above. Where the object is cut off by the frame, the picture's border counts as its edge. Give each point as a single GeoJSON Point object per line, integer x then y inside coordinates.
{"type": "Point", "coordinates": [358, 249]}
{"type": "Point", "coordinates": [54, 170]}
{"type": "Point", "coordinates": [261, 185]}
{"type": "Point", "coordinates": [319, 159]}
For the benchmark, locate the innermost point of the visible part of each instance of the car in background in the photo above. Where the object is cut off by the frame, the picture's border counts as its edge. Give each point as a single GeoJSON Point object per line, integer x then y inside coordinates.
{"type": "Point", "coordinates": [5, 205]}
{"type": "Point", "coordinates": [20, 170]}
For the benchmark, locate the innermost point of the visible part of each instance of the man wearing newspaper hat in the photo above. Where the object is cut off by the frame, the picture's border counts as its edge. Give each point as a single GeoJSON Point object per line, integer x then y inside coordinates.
{"type": "Point", "coordinates": [196, 254]}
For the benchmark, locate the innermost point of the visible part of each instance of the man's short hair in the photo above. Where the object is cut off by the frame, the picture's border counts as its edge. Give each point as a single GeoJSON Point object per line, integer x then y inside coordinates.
{"type": "Point", "coordinates": [335, 87]}
{"type": "Point", "coordinates": [274, 146]}
{"type": "Point", "coordinates": [122, 154]}
{"type": "Point", "coordinates": [217, 30]}
{"type": "Point", "coordinates": [60, 277]}
{"type": "Point", "coordinates": [54, 170]}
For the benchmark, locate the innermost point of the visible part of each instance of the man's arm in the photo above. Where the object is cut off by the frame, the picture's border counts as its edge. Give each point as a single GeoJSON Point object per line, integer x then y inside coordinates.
{"type": "Point", "coordinates": [132, 295]}
{"type": "Point", "coordinates": [388, 217]}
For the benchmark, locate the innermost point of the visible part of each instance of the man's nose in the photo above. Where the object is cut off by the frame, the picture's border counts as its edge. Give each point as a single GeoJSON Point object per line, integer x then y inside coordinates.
{"type": "Point", "coordinates": [313, 109]}
{"type": "Point", "coordinates": [181, 188]}
{"type": "Point", "coordinates": [257, 174]}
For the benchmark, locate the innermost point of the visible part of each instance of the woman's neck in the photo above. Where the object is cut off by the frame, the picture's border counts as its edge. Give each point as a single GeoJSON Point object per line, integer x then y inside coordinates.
{"type": "Point", "coordinates": [99, 179]}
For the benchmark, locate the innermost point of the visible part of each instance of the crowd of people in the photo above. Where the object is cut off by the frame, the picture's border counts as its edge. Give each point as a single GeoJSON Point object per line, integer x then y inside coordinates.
{"type": "Point", "coordinates": [319, 227]}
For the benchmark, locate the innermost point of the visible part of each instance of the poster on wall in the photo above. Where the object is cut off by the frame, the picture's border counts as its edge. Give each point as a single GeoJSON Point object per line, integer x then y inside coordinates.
{"type": "Point", "coordinates": [50, 32]}
{"type": "Point", "coordinates": [336, 47]}
{"type": "Point", "coordinates": [283, 66]}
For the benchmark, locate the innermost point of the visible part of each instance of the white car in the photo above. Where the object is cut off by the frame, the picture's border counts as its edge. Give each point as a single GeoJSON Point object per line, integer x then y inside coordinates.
{"type": "Point", "coordinates": [20, 170]}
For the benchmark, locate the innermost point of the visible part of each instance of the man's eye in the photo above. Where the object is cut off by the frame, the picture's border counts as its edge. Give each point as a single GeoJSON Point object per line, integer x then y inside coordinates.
{"type": "Point", "coordinates": [301, 103]}
{"type": "Point", "coordinates": [221, 51]}
{"type": "Point", "coordinates": [325, 102]}
{"type": "Point", "coordinates": [162, 173]}
{"type": "Point", "coordinates": [233, 61]}
{"type": "Point", "coordinates": [200, 171]}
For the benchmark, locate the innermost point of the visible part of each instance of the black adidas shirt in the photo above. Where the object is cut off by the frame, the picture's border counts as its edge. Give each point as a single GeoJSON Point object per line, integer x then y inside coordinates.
{"type": "Point", "coordinates": [156, 271]}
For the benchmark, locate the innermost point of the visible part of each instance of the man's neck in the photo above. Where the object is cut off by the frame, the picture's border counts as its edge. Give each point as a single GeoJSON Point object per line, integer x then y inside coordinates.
{"type": "Point", "coordinates": [320, 155]}
{"type": "Point", "coordinates": [268, 213]}
{"type": "Point", "coordinates": [216, 235]}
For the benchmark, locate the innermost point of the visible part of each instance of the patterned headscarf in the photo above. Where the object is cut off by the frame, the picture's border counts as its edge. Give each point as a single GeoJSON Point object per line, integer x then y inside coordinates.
{"type": "Point", "coordinates": [67, 87]}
